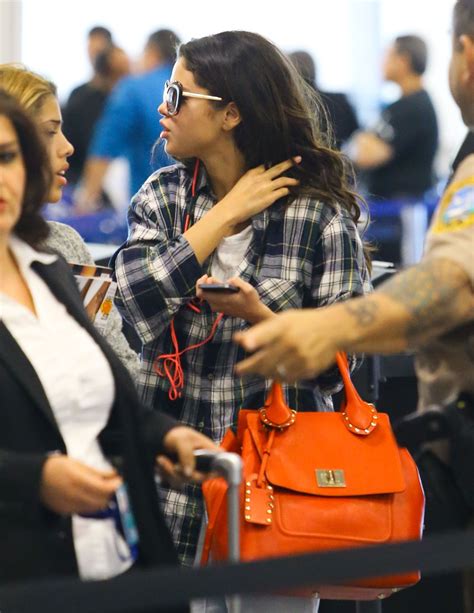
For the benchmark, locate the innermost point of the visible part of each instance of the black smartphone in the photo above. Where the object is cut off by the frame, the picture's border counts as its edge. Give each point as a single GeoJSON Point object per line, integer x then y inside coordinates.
{"type": "Point", "coordinates": [224, 288]}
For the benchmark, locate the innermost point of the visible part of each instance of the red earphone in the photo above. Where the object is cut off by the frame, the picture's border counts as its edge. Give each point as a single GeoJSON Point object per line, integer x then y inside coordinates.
{"type": "Point", "coordinates": [172, 368]}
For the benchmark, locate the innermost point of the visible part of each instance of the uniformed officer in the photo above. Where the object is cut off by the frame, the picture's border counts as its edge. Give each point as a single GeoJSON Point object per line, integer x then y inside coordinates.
{"type": "Point", "coordinates": [445, 364]}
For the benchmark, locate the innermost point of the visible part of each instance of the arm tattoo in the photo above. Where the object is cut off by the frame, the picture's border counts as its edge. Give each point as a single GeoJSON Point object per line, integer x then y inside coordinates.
{"type": "Point", "coordinates": [431, 293]}
{"type": "Point", "coordinates": [362, 311]}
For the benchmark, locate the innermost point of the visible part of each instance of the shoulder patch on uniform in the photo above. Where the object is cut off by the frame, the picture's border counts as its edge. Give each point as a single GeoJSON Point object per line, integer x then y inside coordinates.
{"type": "Point", "coordinates": [456, 210]}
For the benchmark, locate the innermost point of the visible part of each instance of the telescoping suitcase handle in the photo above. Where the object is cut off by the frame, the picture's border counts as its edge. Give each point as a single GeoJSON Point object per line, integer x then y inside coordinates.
{"type": "Point", "coordinates": [229, 466]}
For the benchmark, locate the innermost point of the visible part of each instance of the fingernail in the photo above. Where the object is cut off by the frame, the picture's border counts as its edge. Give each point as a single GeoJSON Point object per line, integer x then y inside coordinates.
{"type": "Point", "coordinates": [188, 471]}
{"type": "Point", "coordinates": [297, 159]}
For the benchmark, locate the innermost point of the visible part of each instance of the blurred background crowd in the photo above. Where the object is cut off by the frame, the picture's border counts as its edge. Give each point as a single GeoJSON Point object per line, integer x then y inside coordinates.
{"type": "Point", "coordinates": [380, 66]}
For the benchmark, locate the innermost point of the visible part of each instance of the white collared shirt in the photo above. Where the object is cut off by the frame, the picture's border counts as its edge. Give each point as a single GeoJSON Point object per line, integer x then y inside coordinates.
{"type": "Point", "coordinates": [79, 385]}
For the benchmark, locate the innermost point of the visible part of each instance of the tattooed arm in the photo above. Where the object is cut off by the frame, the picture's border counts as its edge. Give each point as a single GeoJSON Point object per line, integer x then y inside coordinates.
{"type": "Point", "coordinates": [416, 305]}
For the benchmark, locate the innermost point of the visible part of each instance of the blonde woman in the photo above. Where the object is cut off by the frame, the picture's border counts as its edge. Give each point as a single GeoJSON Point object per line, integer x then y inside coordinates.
{"type": "Point", "coordinates": [38, 97]}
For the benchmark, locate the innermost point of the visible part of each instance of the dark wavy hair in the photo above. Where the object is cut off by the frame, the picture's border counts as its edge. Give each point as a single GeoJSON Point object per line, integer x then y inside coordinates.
{"type": "Point", "coordinates": [30, 227]}
{"type": "Point", "coordinates": [281, 114]}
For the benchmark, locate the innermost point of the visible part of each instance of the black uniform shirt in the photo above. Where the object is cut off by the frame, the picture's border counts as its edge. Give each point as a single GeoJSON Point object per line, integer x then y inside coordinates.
{"type": "Point", "coordinates": [410, 127]}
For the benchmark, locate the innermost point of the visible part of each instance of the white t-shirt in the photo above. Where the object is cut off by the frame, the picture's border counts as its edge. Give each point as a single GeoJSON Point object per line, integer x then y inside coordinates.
{"type": "Point", "coordinates": [230, 253]}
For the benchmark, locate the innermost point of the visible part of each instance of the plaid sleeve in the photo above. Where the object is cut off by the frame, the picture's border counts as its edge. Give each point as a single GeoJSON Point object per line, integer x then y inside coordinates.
{"type": "Point", "coordinates": [157, 269]}
{"type": "Point", "coordinates": [340, 269]}
{"type": "Point", "coordinates": [343, 274]}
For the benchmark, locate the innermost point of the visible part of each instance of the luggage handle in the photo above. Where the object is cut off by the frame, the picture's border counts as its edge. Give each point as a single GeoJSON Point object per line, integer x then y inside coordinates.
{"type": "Point", "coordinates": [225, 464]}
{"type": "Point", "coordinates": [229, 466]}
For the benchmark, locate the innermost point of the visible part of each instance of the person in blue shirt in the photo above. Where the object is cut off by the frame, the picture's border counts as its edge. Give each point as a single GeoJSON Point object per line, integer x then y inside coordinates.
{"type": "Point", "coordinates": [129, 125]}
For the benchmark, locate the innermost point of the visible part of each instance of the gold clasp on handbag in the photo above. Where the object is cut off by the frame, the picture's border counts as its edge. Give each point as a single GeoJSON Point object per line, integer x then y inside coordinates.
{"type": "Point", "coordinates": [330, 477]}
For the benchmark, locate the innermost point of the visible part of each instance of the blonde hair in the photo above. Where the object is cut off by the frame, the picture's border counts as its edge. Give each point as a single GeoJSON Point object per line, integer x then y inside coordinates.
{"type": "Point", "coordinates": [30, 89]}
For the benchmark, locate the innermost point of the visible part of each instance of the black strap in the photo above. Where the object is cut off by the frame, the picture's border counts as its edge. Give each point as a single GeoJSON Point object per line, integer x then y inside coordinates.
{"type": "Point", "coordinates": [160, 590]}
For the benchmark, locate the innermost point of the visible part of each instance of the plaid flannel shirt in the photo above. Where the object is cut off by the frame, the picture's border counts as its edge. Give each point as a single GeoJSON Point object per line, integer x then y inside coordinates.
{"type": "Point", "coordinates": [308, 254]}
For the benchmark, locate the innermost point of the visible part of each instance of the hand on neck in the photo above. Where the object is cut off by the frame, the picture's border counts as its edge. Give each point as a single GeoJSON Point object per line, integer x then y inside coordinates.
{"type": "Point", "coordinates": [224, 168]}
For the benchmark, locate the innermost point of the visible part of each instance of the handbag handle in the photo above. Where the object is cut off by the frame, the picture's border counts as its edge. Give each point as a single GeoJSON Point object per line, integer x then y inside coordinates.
{"type": "Point", "coordinates": [358, 416]}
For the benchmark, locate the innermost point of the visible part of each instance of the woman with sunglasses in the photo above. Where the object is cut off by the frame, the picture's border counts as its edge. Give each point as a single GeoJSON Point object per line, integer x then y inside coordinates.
{"type": "Point", "coordinates": [257, 199]}
{"type": "Point", "coordinates": [72, 429]}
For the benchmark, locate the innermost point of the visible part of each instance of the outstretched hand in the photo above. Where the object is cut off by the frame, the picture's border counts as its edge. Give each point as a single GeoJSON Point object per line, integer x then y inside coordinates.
{"type": "Point", "coordinates": [296, 344]}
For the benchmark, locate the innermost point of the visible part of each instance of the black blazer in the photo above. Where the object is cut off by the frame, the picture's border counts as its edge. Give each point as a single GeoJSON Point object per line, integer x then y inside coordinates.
{"type": "Point", "coordinates": [35, 542]}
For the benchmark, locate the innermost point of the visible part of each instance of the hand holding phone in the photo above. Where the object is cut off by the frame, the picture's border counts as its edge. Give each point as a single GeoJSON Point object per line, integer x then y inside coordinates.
{"type": "Point", "coordinates": [223, 288]}
{"type": "Point", "coordinates": [234, 298]}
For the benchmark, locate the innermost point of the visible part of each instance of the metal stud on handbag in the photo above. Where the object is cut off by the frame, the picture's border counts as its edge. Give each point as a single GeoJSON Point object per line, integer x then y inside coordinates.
{"type": "Point", "coordinates": [315, 481]}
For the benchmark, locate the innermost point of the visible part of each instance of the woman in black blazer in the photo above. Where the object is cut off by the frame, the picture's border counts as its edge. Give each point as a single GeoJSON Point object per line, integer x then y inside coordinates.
{"type": "Point", "coordinates": [43, 488]}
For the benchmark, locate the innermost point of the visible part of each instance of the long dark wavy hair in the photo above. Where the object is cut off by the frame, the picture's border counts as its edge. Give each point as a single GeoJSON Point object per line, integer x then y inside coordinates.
{"type": "Point", "coordinates": [31, 227]}
{"type": "Point", "coordinates": [281, 114]}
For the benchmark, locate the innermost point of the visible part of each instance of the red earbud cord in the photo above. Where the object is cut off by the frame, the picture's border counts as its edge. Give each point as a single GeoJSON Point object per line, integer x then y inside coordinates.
{"type": "Point", "coordinates": [172, 368]}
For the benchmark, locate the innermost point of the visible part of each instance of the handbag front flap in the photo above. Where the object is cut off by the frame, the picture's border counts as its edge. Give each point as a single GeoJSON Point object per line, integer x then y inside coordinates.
{"type": "Point", "coordinates": [319, 455]}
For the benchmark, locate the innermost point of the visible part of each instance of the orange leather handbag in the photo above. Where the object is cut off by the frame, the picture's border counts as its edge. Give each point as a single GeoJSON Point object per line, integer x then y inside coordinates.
{"type": "Point", "coordinates": [316, 481]}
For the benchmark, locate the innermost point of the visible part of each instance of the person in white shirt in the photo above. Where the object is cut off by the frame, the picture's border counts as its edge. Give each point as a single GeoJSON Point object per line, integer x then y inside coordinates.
{"type": "Point", "coordinates": [76, 446]}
